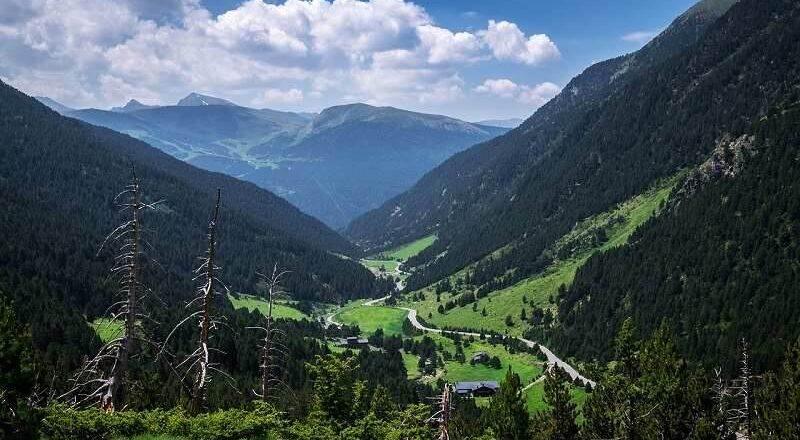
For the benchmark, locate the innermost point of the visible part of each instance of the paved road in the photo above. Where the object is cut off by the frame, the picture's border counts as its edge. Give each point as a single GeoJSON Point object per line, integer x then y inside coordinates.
{"type": "Point", "coordinates": [552, 359]}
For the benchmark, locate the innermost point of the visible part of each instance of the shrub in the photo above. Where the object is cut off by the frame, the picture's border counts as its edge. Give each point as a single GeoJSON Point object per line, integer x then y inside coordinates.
{"type": "Point", "coordinates": [64, 423]}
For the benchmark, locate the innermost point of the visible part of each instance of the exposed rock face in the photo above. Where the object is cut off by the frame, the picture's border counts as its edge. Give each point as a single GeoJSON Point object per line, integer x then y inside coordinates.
{"type": "Point", "coordinates": [726, 161]}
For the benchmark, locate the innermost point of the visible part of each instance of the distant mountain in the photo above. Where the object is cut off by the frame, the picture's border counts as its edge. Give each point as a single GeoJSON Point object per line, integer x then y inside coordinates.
{"type": "Point", "coordinates": [334, 165]}
{"type": "Point", "coordinates": [507, 123]}
{"type": "Point", "coordinates": [132, 106]}
{"type": "Point", "coordinates": [196, 99]}
{"type": "Point", "coordinates": [54, 105]}
{"type": "Point", "coordinates": [59, 177]}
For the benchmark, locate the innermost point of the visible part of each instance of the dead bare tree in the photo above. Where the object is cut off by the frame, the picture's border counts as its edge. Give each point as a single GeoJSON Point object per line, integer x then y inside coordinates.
{"type": "Point", "coordinates": [199, 366]}
{"type": "Point", "coordinates": [740, 414]}
{"type": "Point", "coordinates": [721, 397]}
{"type": "Point", "coordinates": [271, 349]}
{"type": "Point", "coordinates": [103, 378]}
{"type": "Point", "coordinates": [443, 403]}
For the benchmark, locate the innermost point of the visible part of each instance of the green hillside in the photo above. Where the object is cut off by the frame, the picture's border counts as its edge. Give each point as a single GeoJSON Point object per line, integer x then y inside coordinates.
{"type": "Point", "coordinates": [596, 234]}
{"type": "Point", "coordinates": [279, 309]}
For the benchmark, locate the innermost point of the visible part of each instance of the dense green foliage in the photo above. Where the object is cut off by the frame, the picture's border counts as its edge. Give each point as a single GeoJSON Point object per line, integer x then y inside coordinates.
{"type": "Point", "coordinates": [721, 264]}
{"type": "Point", "coordinates": [59, 178]}
{"type": "Point", "coordinates": [663, 119]}
{"type": "Point", "coordinates": [495, 192]}
{"type": "Point", "coordinates": [16, 373]}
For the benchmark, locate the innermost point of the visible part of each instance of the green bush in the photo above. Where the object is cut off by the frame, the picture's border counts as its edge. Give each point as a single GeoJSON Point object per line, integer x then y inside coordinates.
{"type": "Point", "coordinates": [62, 423]}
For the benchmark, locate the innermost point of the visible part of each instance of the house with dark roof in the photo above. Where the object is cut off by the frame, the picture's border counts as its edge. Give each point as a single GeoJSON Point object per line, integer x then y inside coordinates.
{"type": "Point", "coordinates": [353, 342]}
{"type": "Point", "coordinates": [479, 358]}
{"type": "Point", "coordinates": [486, 388]}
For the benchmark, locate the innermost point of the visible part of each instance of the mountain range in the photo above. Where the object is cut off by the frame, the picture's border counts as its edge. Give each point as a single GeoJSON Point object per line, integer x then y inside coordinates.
{"type": "Point", "coordinates": [59, 177]}
{"type": "Point", "coordinates": [507, 212]}
{"type": "Point", "coordinates": [333, 165]}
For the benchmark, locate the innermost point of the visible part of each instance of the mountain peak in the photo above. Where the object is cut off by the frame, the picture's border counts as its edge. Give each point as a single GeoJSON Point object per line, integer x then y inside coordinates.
{"type": "Point", "coordinates": [196, 99]}
{"type": "Point", "coordinates": [132, 106]}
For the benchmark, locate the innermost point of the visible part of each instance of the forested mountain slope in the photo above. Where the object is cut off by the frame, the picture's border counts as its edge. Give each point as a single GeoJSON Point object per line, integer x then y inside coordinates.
{"type": "Point", "coordinates": [666, 118]}
{"type": "Point", "coordinates": [489, 174]}
{"type": "Point", "coordinates": [58, 179]}
{"type": "Point", "coordinates": [722, 263]}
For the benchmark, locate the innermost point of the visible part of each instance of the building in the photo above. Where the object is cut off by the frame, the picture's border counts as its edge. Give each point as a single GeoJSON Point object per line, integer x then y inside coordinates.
{"type": "Point", "coordinates": [477, 389]}
{"type": "Point", "coordinates": [479, 358]}
{"type": "Point", "coordinates": [353, 342]}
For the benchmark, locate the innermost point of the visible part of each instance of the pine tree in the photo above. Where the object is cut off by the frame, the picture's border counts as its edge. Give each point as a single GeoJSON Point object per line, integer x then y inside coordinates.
{"type": "Point", "coordinates": [777, 411]}
{"type": "Point", "coordinates": [558, 422]}
{"type": "Point", "coordinates": [507, 414]}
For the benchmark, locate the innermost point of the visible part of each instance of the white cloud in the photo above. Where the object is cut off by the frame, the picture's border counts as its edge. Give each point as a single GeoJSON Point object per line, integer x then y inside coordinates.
{"type": "Point", "coordinates": [508, 42]}
{"type": "Point", "coordinates": [443, 45]}
{"type": "Point", "coordinates": [103, 52]}
{"type": "Point", "coordinates": [504, 88]}
{"type": "Point", "coordinates": [639, 37]}
{"type": "Point", "coordinates": [536, 95]}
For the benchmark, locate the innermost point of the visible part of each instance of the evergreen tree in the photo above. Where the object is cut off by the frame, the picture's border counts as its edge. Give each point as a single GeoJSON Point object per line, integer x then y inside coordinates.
{"type": "Point", "coordinates": [507, 415]}
{"type": "Point", "coordinates": [557, 422]}
{"type": "Point", "coordinates": [16, 373]}
{"type": "Point", "coordinates": [778, 401]}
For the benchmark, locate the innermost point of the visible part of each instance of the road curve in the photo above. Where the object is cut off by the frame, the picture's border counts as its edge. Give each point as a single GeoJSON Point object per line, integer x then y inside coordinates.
{"type": "Point", "coordinates": [552, 359]}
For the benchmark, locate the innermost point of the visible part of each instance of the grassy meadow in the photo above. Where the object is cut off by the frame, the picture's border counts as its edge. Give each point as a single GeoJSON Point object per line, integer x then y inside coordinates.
{"type": "Point", "coordinates": [279, 309]}
{"type": "Point", "coordinates": [617, 225]}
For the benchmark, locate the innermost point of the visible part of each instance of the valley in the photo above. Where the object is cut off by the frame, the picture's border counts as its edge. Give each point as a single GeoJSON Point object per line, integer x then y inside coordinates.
{"type": "Point", "coordinates": [334, 165]}
{"type": "Point", "coordinates": [612, 252]}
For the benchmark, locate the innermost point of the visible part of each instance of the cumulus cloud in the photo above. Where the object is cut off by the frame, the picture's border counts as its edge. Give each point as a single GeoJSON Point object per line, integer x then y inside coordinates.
{"type": "Point", "coordinates": [103, 52]}
{"type": "Point", "coordinates": [639, 37]}
{"type": "Point", "coordinates": [442, 45]}
{"type": "Point", "coordinates": [505, 88]}
{"type": "Point", "coordinates": [536, 95]}
{"type": "Point", "coordinates": [508, 42]}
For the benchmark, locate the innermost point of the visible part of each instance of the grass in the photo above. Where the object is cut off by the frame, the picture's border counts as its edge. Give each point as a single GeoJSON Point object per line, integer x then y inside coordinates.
{"type": "Point", "coordinates": [618, 224]}
{"type": "Point", "coordinates": [391, 259]}
{"type": "Point", "coordinates": [527, 366]}
{"type": "Point", "coordinates": [279, 310]}
{"type": "Point", "coordinates": [406, 251]}
{"type": "Point", "coordinates": [411, 361]}
{"type": "Point", "coordinates": [107, 329]}
{"type": "Point", "coordinates": [388, 265]}
{"type": "Point", "coordinates": [371, 318]}
{"type": "Point", "coordinates": [152, 437]}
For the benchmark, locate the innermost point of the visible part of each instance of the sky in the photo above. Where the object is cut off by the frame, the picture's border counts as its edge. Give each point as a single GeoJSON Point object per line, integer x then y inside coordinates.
{"type": "Point", "coordinates": [471, 59]}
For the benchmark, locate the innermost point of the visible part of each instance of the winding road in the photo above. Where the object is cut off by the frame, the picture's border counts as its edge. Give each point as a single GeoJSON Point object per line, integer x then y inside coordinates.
{"type": "Point", "coordinates": [552, 359]}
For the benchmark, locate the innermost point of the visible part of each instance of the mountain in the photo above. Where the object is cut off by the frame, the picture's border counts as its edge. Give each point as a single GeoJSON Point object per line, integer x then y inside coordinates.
{"type": "Point", "coordinates": [474, 188]}
{"type": "Point", "coordinates": [196, 99]}
{"type": "Point", "coordinates": [506, 123]}
{"type": "Point", "coordinates": [59, 177]}
{"type": "Point", "coordinates": [334, 165]}
{"type": "Point", "coordinates": [132, 106]}
{"type": "Point", "coordinates": [720, 264]}
{"type": "Point", "coordinates": [710, 91]}
{"type": "Point", "coordinates": [54, 105]}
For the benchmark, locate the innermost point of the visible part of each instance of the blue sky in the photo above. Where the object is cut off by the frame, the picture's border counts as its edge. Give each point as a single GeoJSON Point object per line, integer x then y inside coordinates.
{"type": "Point", "coordinates": [470, 59]}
